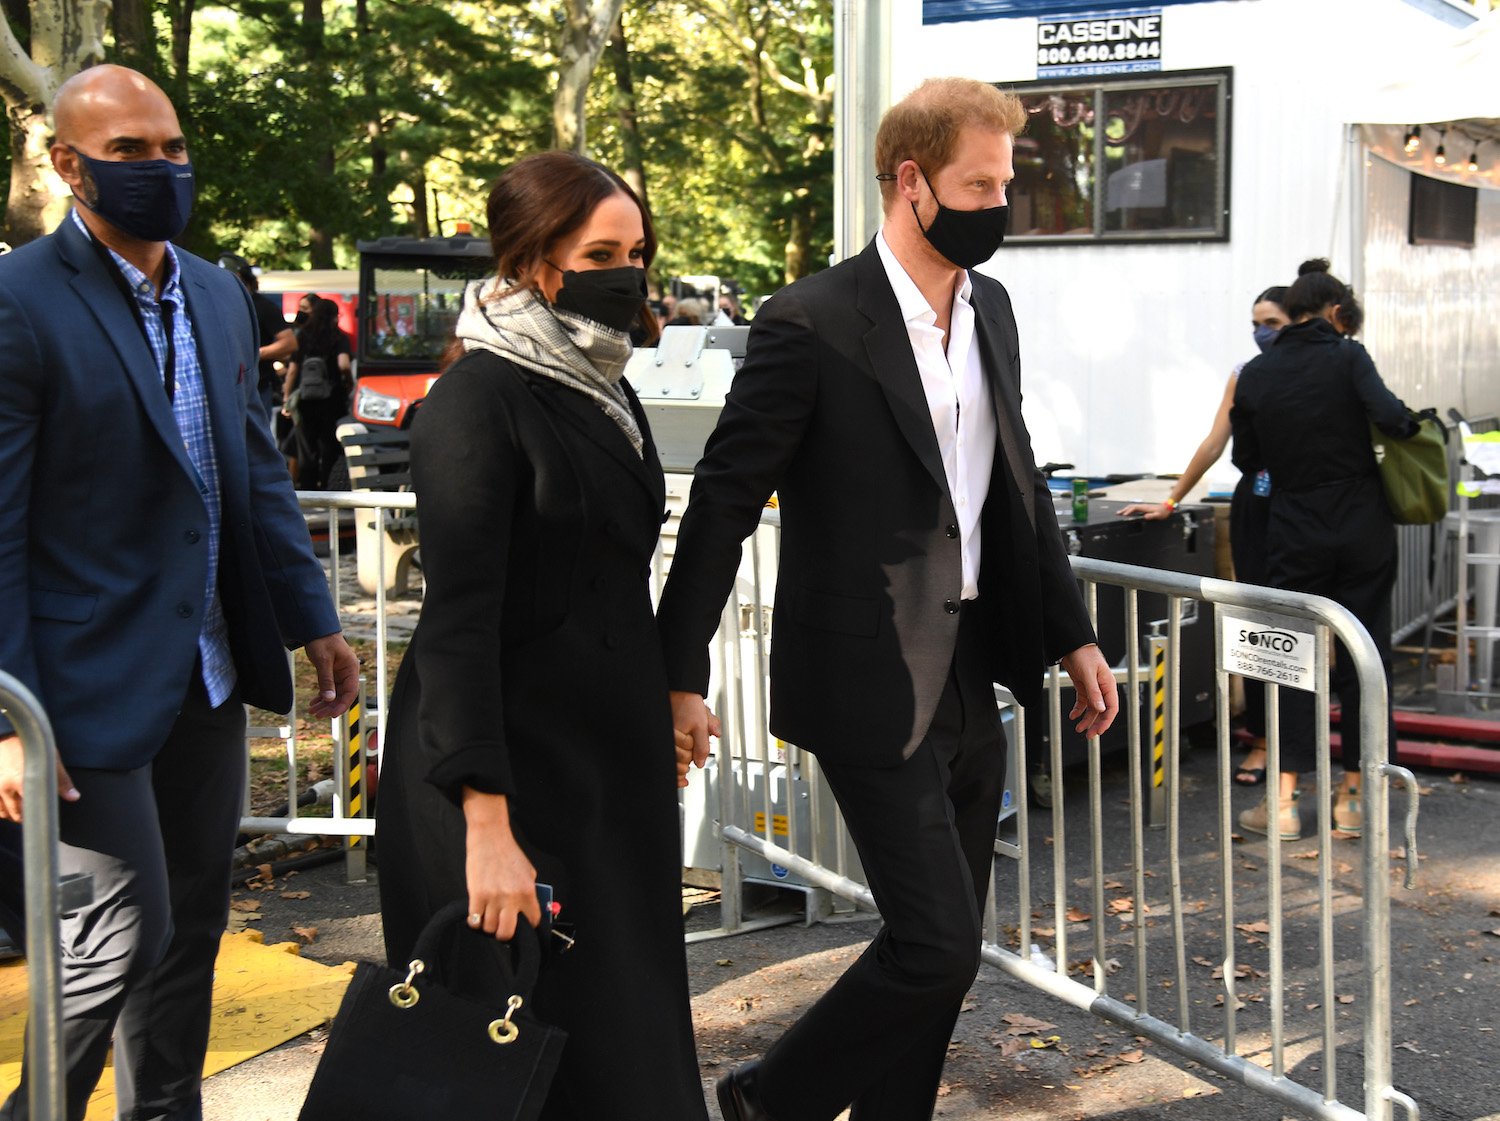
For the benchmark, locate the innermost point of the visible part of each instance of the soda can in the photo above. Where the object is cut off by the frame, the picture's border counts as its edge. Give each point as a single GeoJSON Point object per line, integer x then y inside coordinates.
{"type": "Point", "coordinates": [1080, 500]}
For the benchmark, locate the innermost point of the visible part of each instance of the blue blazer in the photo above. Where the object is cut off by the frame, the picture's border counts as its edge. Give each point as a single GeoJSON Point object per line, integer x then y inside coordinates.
{"type": "Point", "coordinates": [103, 533]}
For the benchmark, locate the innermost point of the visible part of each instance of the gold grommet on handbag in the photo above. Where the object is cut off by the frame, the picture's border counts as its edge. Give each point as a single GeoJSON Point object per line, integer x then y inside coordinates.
{"type": "Point", "coordinates": [405, 994]}
{"type": "Point", "coordinates": [503, 1031]}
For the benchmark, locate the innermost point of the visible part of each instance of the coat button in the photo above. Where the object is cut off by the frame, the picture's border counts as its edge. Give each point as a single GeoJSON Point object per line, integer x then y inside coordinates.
{"type": "Point", "coordinates": [184, 611]}
{"type": "Point", "coordinates": [191, 537]}
{"type": "Point", "coordinates": [950, 607]}
{"type": "Point", "coordinates": [611, 642]}
{"type": "Point", "coordinates": [597, 583]}
{"type": "Point", "coordinates": [951, 531]}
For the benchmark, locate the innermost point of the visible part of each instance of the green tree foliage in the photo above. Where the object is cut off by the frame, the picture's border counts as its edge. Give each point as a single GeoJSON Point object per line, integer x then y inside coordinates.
{"type": "Point", "coordinates": [316, 123]}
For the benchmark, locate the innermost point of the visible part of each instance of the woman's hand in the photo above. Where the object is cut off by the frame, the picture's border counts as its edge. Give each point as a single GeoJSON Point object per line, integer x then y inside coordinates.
{"type": "Point", "coordinates": [1151, 511]}
{"type": "Point", "coordinates": [500, 878]}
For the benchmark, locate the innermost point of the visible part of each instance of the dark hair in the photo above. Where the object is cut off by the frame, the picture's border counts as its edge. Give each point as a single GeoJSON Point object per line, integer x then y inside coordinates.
{"type": "Point", "coordinates": [1314, 289]}
{"type": "Point", "coordinates": [320, 334]}
{"type": "Point", "coordinates": [1276, 294]}
{"type": "Point", "coordinates": [1350, 316]}
{"type": "Point", "coordinates": [542, 199]}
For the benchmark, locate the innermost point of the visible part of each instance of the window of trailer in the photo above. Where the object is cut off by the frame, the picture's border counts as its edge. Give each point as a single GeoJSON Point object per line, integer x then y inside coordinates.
{"type": "Point", "coordinates": [1130, 160]}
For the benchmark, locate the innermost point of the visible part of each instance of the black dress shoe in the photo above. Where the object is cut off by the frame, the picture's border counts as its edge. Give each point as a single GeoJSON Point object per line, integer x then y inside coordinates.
{"type": "Point", "coordinates": [739, 1095]}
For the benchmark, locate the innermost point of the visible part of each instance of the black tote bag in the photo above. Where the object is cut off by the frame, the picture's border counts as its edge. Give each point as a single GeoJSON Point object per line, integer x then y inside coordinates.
{"type": "Point", "coordinates": [403, 1047]}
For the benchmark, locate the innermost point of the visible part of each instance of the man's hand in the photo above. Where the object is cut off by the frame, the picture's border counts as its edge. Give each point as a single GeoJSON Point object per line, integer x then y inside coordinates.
{"type": "Point", "coordinates": [691, 719]}
{"type": "Point", "coordinates": [12, 777]}
{"type": "Point", "coordinates": [337, 667]}
{"type": "Point", "coordinates": [1095, 699]}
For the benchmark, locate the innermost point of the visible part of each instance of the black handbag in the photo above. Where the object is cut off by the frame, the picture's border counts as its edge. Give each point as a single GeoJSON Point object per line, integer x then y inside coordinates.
{"type": "Point", "coordinates": [404, 1047]}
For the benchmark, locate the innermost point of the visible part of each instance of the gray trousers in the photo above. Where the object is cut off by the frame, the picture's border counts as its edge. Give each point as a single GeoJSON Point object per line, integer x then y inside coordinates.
{"type": "Point", "coordinates": [138, 962]}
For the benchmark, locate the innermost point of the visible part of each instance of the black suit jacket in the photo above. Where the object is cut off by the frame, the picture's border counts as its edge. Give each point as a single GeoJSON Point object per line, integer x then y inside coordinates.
{"type": "Point", "coordinates": [828, 411]}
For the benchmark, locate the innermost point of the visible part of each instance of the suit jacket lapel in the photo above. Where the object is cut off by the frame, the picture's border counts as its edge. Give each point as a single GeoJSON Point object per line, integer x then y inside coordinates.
{"type": "Point", "coordinates": [995, 356]}
{"type": "Point", "coordinates": [107, 305]}
{"type": "Point", "coordinates": [888, 349]}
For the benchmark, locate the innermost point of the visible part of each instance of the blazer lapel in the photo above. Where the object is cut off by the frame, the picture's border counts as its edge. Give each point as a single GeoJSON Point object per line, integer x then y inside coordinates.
{"type": "Point", "coordinates": [107, 305]}
{"type": "Point", "coordinates": [888, 349]}
{"type": "Point", "coordinates": [995, 356]}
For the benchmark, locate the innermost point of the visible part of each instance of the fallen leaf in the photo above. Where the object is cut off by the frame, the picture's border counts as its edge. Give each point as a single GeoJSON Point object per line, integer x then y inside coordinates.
{"type": "Point", "coordinates": [1261, 927]}
{"type": "Point", "coordinates": [1346, 998]}
{"type": "Point", "coordinates": [944, 1090]}
{"type": "Point", "coordinates": [1411, 1045]}
{"type": "Point", "coordinates": [306, 933]}
{"type": "Point", "coordinates": [296, 895]}
{"type": "Point", "coordinates": [1413, 1000]}
{"type": "Point", "coordinates": [1133, 1057]}
{"type": "Point", "coordinates": [724, 961]}
{"type": "Point", "coordinates": [1459, 779]}
{"type": "Point", "coordinates": [264, 870]}
{"type": "Point", "coordinates": [1022, 1024]}
{"type": "Point", "coordinates": [1010, 1047]}
{"type": "Point", "coordinates": [1203, 961]}
{"type": "Point", "coordinates": [244, 905]}
{"type": "Point", "coordinates": [1077, 914]}
{"type": "Point", "coordinates": [1311, 854]}
{"type": "Point", "coordinates": [1038, 1043]}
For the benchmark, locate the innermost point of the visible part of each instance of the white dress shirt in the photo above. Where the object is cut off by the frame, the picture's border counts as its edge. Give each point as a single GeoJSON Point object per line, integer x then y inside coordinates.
{"type": "Point", "coordinates": [958, 398]}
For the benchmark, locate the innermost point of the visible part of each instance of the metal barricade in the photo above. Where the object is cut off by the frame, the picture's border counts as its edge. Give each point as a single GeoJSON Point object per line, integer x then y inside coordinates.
{"type": "Point", "coordinates": [351, 818]}
{"type": "Point", "coordinates": [754, 820]}
{"type": "Point", "coordinates": [45, 1095]}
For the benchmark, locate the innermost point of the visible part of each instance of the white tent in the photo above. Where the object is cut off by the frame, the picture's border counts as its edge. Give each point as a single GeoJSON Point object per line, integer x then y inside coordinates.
{"type": "Point", "coordinates": [1449, 99]}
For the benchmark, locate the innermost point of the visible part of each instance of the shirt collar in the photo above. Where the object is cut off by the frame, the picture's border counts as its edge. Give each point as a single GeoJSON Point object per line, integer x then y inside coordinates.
{"type": "Point", "coordinates": [914, 305]}
{"type": "Point", "coordinates": [140, 284]}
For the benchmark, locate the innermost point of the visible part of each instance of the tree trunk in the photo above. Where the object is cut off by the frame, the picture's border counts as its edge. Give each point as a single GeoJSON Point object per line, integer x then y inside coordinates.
{"type": "Point", "coordinates": [319, 240]}
{"type": "Point", "coordinates": [583, 40]}
{"type": "Point", "coordinates": [633, 163]}
{"type": "Point", "coordinates": [135, 38]}
{"type": "Point", "coordinates": [379, 154]}
{"type": "Point", "coordinates": [33, 207]}
{"type": "Point", "coordinates": [181, 12]}
{"type": "Point", "coordinates": [798, 245]}
{"type": "Point", "coordinates": [62, 37]}
{"type": "Point", "coordinates": [420, 221]}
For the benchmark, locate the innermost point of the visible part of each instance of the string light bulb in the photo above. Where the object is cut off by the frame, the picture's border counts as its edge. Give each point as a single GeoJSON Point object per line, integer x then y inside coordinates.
{"type": "Point", "coordinates": [1413, 140]}
{"type": "Point", "coordinates": [1474, 160]}
{"type": "Point", "coordinates": [1440, 157]}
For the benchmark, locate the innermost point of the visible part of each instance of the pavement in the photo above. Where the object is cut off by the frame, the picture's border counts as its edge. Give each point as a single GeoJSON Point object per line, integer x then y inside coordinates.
{"type": "Point", "coordinates": [1020, 1054]}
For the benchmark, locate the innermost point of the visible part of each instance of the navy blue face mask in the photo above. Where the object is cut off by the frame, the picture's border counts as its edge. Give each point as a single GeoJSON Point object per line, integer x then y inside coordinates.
{"type": "Point", "coordinates": [1264, 336]}
{"type": "Point", "coordinates": [147, 199]}
{"type": "Point", "coordinates": [965, 237]}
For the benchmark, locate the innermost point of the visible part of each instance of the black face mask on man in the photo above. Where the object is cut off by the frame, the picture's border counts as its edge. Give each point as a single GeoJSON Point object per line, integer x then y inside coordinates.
{"type": "Point", "coordinates": [965, 237]}
{"type": "Point", "coordinates": [613, 297]}
{"type": "Point", "coordinates": [147, 199]}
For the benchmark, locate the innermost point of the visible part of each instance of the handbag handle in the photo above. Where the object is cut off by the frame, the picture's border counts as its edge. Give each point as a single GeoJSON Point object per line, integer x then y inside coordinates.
{"type": "Point", "coordinates": [522, 962]}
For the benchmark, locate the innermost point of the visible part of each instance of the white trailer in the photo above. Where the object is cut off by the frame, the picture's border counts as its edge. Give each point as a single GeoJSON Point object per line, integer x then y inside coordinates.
{"type": "Point", "coordinates": [1182, 157]}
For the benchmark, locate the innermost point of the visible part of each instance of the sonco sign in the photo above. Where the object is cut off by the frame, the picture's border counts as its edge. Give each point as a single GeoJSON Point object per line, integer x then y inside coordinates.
{"type": "Point", "coordinates": [1268, 647]}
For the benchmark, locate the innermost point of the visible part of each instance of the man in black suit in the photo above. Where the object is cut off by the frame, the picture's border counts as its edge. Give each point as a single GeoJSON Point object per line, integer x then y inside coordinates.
{"type": "Point", "coordinates": [920, 562]}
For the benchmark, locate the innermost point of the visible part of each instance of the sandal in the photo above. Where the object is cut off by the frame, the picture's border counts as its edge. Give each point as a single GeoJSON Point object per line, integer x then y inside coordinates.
{"type": "Point", "coordinates": [1249, 776]}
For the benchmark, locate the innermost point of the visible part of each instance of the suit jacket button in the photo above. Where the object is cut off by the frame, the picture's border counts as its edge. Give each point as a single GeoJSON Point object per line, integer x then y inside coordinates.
{"type": "Point", "coordinates": [597, 583]}
{"type": "Point", "coordinates": [184, 611]}
{"type": "Point", "coordinates": [191, 537]}
{"type": "Point", "coordinates": [952, 531]}
{"type": "Point", "coordinates": [611, 642]}
{"type": "Point", "coordinates": [950, 607]}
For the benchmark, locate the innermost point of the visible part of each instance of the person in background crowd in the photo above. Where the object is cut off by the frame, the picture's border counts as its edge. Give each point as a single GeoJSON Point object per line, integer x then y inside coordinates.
{"type": "Point", "coordinates": [1248, 511]}
{"type": "Point", "coordinates": [729, 312]}
{"type": "Point", "coordinates": [321, 377]}
{"type": "Point", "coordinates": [1302, 411]}
{"type": "Point", "coordinates": [154, 570]}
{"type": "Point", "coordinates": [691, 312]}
{"type": "Point", "coordinates": [541, 497]}
{"type": "Point", "coordinates": [920, 563]}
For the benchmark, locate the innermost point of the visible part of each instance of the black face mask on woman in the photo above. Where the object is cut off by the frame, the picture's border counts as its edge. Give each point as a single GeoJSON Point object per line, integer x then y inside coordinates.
{"type": "Point", "coordinates": [613, 297]}
{"type": "Point", "coordinates": [965, 237]}
{"type": "Point", "coordinates": [147, 199]}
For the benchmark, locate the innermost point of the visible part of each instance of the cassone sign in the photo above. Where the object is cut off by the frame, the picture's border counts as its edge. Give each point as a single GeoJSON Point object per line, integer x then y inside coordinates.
{"type": "Point", "coordinates": [1124, 42]}
{"type": "Point", "coordinates": [954, 11]}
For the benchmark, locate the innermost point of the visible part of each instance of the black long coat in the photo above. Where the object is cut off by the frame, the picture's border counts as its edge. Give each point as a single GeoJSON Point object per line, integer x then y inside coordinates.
{"type": "Point", "coordinates": [536, 671]}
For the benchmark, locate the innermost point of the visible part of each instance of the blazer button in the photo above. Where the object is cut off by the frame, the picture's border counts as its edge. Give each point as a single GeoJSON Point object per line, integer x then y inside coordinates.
{"type": "Point", "coordinates": [950, 607]}
{"type": "Point", "coordinates": [952, 531]}
{"type": "Point", "coordinates": [611, 642]}
{"type": "Point", "coordinates": [191, 537]}
{"type": "Point", "coordinates": [184, 611]}
{"type": "Point", "coordinates": [597, 583]}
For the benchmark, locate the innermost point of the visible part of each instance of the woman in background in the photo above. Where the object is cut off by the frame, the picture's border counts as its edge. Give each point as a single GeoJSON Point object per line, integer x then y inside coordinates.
{"type": "Point", "coordinates": [1248, 510]}
{"type": "Point", "coordinates": [320, 374]}
{"type": "Point", "coordinates": [1302, 411]}
{"type": "Point", "coordinates": [530, 736]}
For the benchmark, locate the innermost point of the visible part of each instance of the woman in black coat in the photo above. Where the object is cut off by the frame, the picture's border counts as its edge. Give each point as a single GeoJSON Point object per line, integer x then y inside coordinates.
{"type": "Point", "coordinates": [1302, 411]}
{"type": "Point", "coordinates": [530, 738]}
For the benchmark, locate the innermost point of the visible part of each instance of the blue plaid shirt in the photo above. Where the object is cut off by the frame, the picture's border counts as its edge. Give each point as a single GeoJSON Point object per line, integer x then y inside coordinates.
{"type": "Point", "coordinates": [190, 408]}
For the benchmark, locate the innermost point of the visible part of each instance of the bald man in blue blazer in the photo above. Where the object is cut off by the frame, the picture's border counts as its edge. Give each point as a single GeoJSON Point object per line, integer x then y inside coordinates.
{"type": "Point", "coordinates": [154, 570]}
